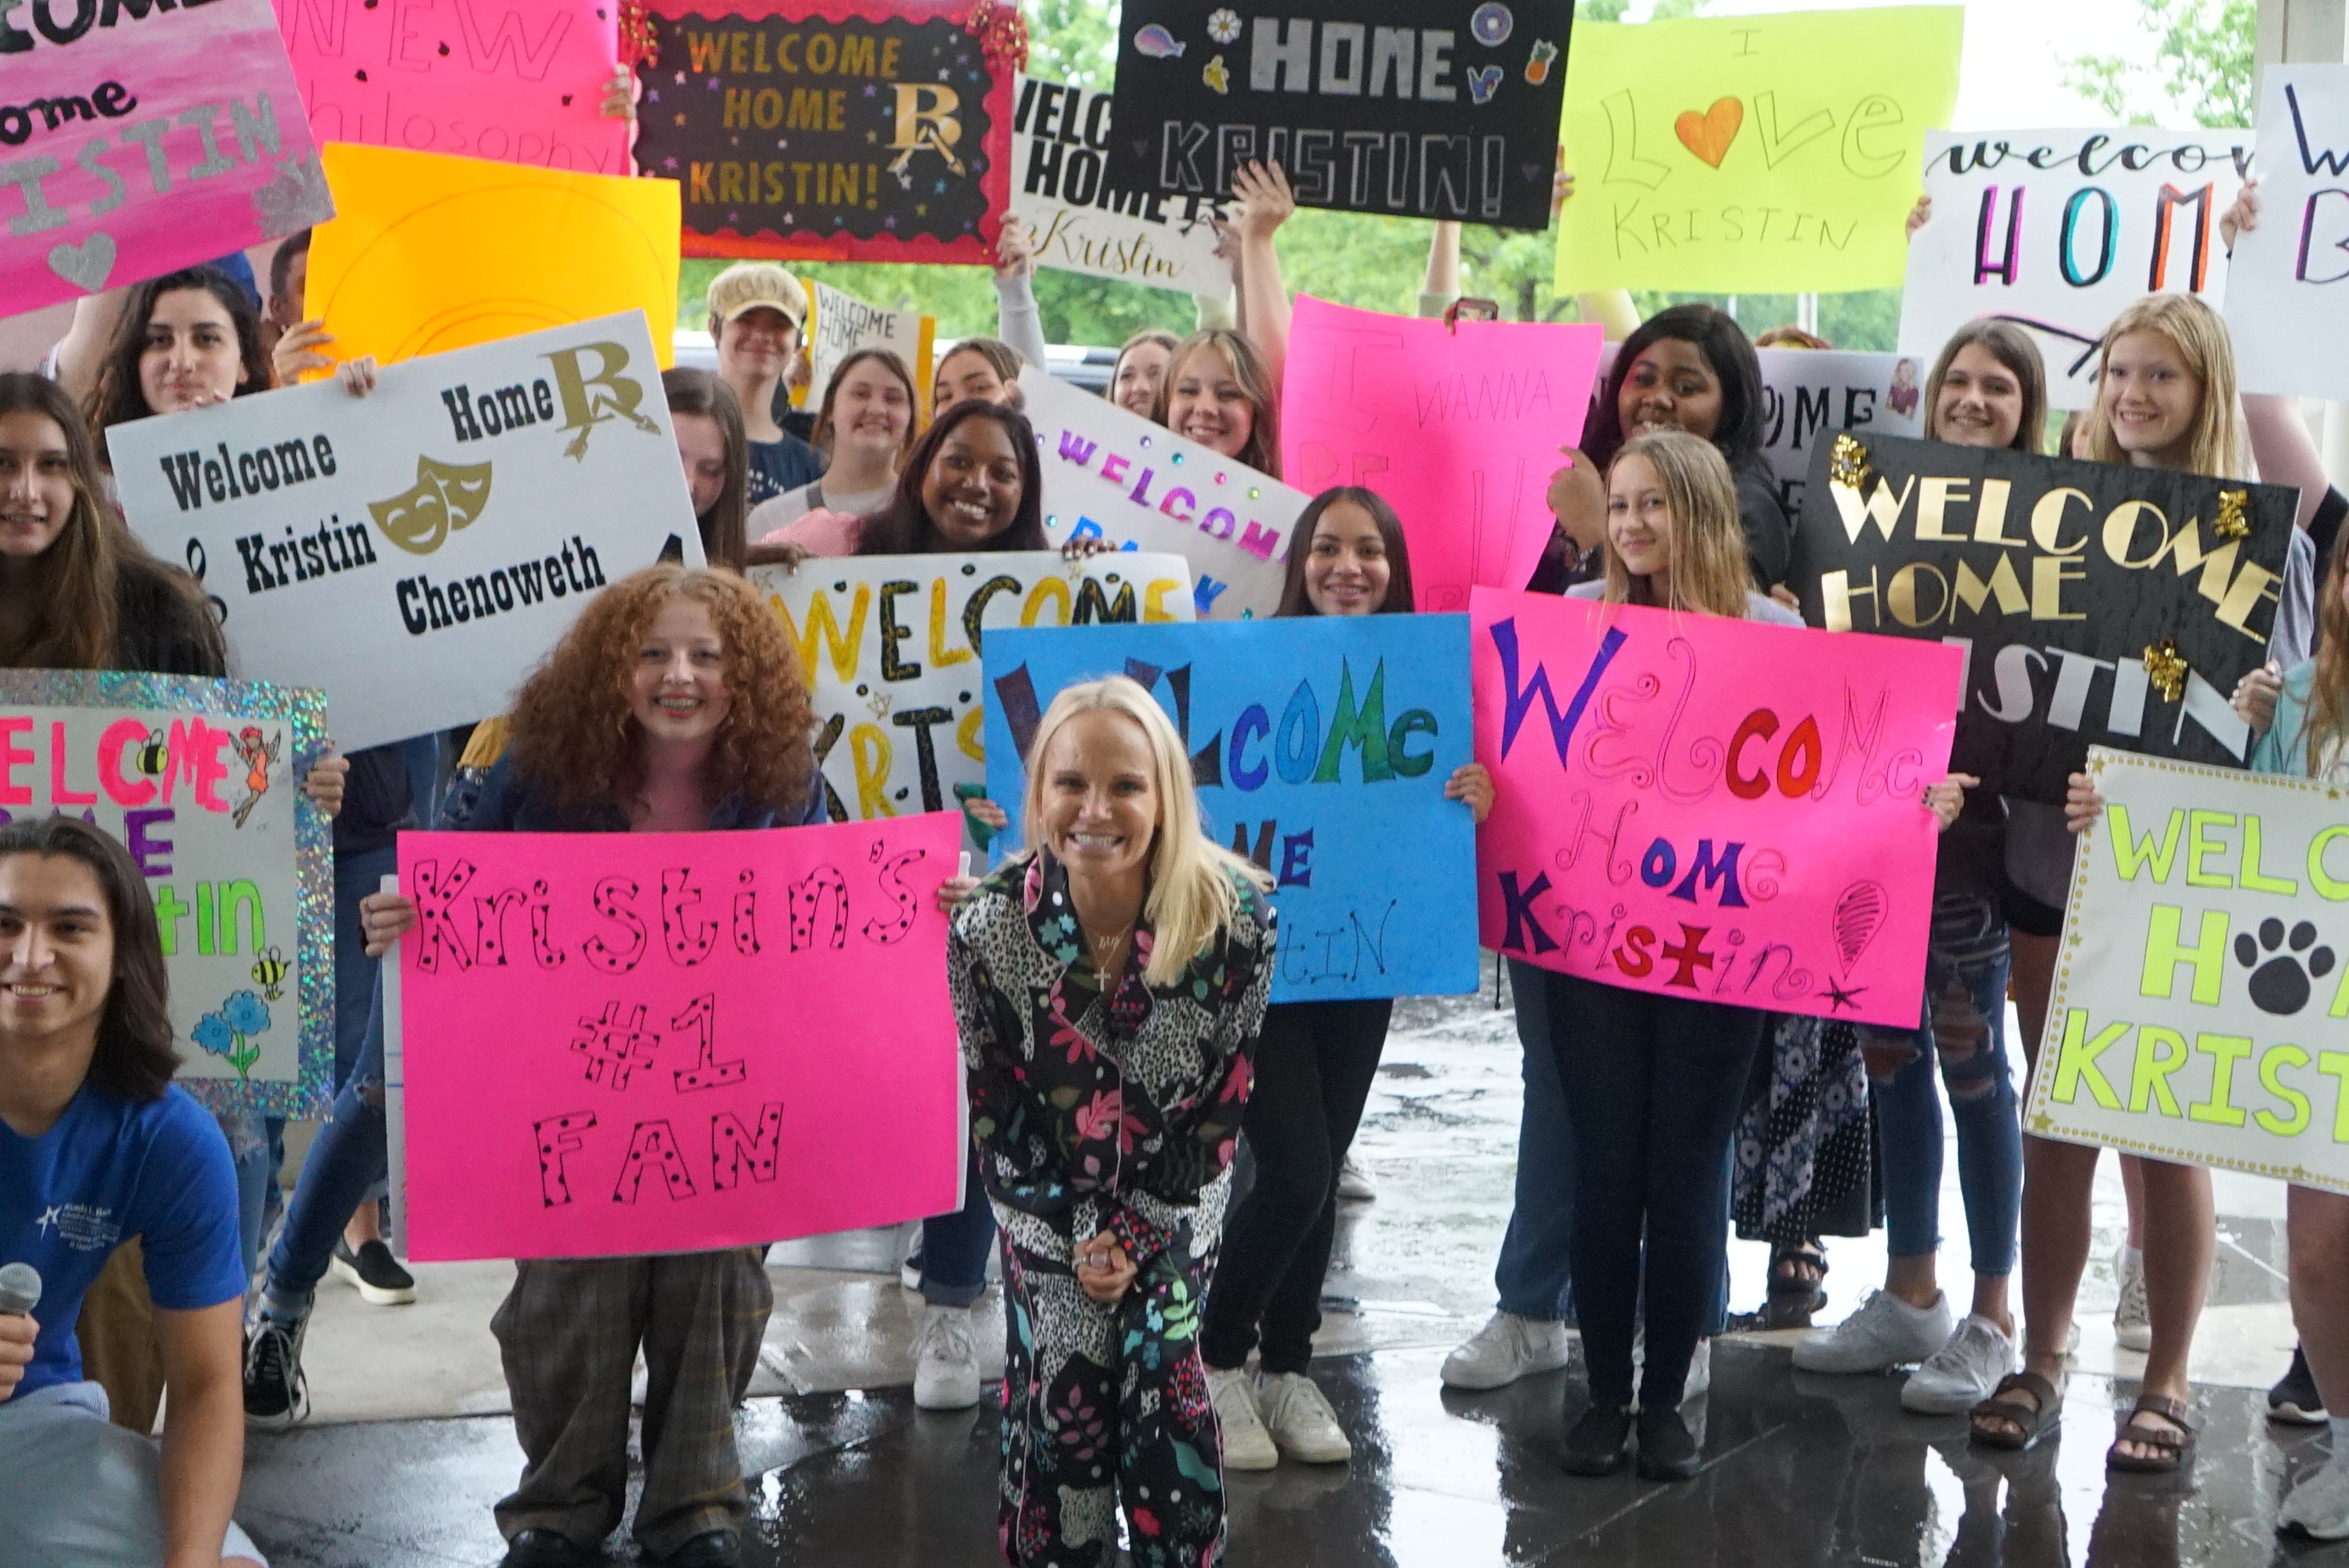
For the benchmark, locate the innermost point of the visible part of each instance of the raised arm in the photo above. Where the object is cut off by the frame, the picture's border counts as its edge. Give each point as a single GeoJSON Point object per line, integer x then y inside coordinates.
{"type": "Point", "coordinates": [1262, 203]}
{"type": "Point", "coordinates": [1018, 322]}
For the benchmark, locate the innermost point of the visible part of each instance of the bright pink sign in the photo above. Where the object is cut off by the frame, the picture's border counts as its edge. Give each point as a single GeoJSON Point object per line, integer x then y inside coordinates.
{"type": "Point", "coordinates": [1720, 810]}
{"type": "Point", "coordinates": [626, 1043]}
{"type": "Point", "coordinates": [135, 142]}
{"type": "Point", "coordinates": [1460, 430]}
{"type": "Point", "coordinates": [520, 81]}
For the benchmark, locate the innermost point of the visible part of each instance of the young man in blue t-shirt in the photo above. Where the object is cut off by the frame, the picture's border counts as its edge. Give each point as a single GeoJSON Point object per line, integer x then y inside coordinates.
{"type": "Point", "coordinates": [97, 1146]}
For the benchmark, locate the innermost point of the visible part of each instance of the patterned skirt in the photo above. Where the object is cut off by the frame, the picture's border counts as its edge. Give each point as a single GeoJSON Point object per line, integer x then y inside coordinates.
{"type": "Point", "coordinates": [1805, 1143]}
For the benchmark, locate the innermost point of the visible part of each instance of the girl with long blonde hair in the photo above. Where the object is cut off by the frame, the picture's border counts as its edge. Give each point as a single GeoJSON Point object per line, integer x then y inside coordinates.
{"type": "Point", "coordinates": [1109, 984]}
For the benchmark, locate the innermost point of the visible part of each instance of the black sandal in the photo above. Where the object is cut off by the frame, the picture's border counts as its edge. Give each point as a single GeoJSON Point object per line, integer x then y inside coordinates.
{"type": "Point", "coordinates": [2031, 1425]}
{"type": "Point", "coordinates": [2172, 1450]}
{"type": "Point", "coordinates": [1794, 1297]}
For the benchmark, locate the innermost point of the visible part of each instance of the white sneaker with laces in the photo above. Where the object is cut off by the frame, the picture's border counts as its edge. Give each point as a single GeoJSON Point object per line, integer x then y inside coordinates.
{"type": "Point", "coordinates": [1506, 1348]}
{"type": "Point", "coordinates": [1354, 1184]}
{"type": "Point", "coordinates": [2132, 1319]}
{"type": "Point", "coordinates": [2318, 1506]}
{"type": "Point", "coordinates": [1885, 1332]}
{"type": "Point", "coordinates": [1299, 1420]}
{"type": "Point", "coordinates": [1962, 1373]}
{"type": "Point", "coordinates": [1247, 1445]}
{"type": "Point", "coordinates": [946, 1359]}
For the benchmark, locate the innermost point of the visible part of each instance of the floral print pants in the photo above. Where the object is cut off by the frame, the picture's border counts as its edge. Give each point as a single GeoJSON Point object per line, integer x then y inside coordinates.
{"type": "Point", "coordinates": [1100, 1401]}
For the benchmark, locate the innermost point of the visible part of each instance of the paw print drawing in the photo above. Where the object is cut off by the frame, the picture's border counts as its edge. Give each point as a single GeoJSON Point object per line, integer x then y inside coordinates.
{"type": "Point", "coordinates": [2281, 985]}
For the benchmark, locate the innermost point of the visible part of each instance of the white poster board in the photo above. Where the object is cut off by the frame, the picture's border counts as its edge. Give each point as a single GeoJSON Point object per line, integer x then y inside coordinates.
{"type": "Point", "coordinates": [1113, 475]}
{"type": "Point", "coordinates": [415, 551]}
{"type": "Point", "coordinates": [1060, 188]}
{"type": "Point", "coordinates": [2059, 231]}
{"type": "Point", "coordinates": [889, 647]}
{"type": "Point", "coordinates": [2201, 997]}
{"type": "Point", "coordinates": [2289, 312]}
{"type": "Point", "coordinates": [841, 324]}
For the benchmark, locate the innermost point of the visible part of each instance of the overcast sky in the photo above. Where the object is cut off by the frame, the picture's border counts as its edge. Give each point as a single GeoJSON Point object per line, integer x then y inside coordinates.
{"type": "Point", "coordinates": [2012, 76]}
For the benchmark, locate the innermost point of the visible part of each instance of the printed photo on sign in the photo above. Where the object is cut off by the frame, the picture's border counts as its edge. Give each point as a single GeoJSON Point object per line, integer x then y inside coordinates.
{"type": "Point", "coordinates": [890, 647]}
{"type": "Point", "coordinates": [2202, 996]}
{"type": "Point", "coordinates": [1322, 746]}
{"type": "Point", "coordinates": [2060, 230]}
{"type": "Point", "coordinates": [202, 782]}
{"type": "Point", "coordinates": [143, 141]}
{"type": "Point", "coordinates": [1718, 810]}
{"type": "Point", "coordinates": [414, 553]}
{"type": "Point", "coordinates": [1113, 475]}
{"type": "Point", "coordinates": [2288, 310]}
{"type": "Point", "coordinates": [2096, 603]}
{"type": "Point", "coordinates": [1085, 221]}
{"type": "Point", "coordinates": [1763, 154]}
{"type": "Point", "coordinates": [617, 1044]}
{"type": "Point", "coordinates": [521, 84]}
{"type": "Point", "coordinates": [1458, 429]}
{"type": "Point", "coordinates": [1446, 108]}
{"type": "Point", "coordinates": [865, 130]}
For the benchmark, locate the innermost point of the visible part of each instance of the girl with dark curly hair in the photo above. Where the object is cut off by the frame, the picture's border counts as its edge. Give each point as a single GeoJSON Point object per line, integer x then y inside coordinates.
{"type": "Point", "coordinates": [186, 340]}
{"type": "Point", "coordinates": [673, 705]}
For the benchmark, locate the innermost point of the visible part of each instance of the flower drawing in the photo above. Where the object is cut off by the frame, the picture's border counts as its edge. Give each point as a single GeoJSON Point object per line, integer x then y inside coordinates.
{"type": "Point", "coordinates": [229, 1033]}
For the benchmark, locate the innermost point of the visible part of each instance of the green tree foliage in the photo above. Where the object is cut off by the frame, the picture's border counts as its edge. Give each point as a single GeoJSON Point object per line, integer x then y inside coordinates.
{"type": "Point", "coordinates": [2201, 73]}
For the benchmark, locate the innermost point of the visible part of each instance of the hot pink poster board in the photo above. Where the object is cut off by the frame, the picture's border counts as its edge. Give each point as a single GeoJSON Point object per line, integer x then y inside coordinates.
{"type": "Point", "coordinates": [1713, 809]}
{"type": "Point", "coordinates": [628, 1043]}
{"type": "Point", "coordinates": [1460, 430]}
{"type": "Point", "coordinates": [520, 81]}
{"type": "Point", "coordinates": [135, 142]}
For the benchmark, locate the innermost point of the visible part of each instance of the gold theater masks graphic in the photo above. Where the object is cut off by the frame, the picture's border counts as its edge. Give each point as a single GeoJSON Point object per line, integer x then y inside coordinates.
{"type": "Point", "coordinates": [445, 497]}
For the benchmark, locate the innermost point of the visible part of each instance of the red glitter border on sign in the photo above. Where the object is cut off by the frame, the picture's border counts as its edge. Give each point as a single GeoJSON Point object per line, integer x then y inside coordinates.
{"type": "Point", "coordinates": [808, 245]}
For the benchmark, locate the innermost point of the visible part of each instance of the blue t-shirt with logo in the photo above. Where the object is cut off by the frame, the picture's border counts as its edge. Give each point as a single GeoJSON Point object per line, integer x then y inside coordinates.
{"type": "Point", "coordinates": [109, 1170]}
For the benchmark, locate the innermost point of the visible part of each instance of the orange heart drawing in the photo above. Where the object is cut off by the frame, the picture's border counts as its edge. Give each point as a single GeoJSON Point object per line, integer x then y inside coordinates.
{"type": "Point", "coordinates": [1708, 135]}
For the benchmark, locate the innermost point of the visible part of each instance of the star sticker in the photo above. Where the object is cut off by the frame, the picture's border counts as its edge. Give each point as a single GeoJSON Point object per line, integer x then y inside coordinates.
{"type": "Point", "coordinates": [873, 136]}
{"type": "Point", "coordinates": [871, 91]}
{"type": "Point", "coordinates": [1842, 998]}
{"type": "Point", "coordinates": [944, 74]}
{"type": "Point", "coordinates": [680, 119]}
{"type": "Point", "coordinates": [681, 78]}
{"type": "Point", "coordinates": [942, 188]}
{"type": "Point", "coordinates": [733, 217]}
{"type": "Point", "coordinates": [787, 217]}
{"type": "Point", "coordinates": [921, 210]}
{"type": "Point", "coordinates": [670, 163]}
{"type": "Point", "coordinates": [712, 84]}
{"type": "Point", "coordinates": [652, 94]}
{"type": "Point", "coordinates": [49, 1216]}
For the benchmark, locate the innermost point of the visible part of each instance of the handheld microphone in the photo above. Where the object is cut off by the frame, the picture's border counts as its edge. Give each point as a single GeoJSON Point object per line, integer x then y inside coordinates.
{"type": "Point", "coordinates": [20, 1290]}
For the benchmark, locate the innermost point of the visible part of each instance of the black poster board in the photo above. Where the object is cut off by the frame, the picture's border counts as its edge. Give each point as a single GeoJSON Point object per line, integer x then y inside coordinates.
{"type": "Point", "coordinates": [870, 130]}
{"type": "Point", "coordinates": [2100, 605]}
{"type": "Point", "coordinates": [1443, 109]}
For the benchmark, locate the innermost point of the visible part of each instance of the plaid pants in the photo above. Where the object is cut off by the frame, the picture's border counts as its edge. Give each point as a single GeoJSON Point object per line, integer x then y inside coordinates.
{"type": "Point", "coordinates": [569, 1331]}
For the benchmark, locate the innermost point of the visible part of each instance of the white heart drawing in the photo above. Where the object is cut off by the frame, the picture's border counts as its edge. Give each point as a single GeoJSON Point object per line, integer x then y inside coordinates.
{"type": "Point", "coordinates": [86, 265]}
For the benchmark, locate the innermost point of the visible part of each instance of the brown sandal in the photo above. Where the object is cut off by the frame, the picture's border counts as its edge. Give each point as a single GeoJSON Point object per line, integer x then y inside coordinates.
{"type": "Point", "coordinates": [2031, 1424]}
{"type": "Point", "coordinates": [2173, 1450]}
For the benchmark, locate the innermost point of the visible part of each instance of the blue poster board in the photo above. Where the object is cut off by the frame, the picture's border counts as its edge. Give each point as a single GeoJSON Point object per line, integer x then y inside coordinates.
{"type": "Point", "coordinates": [1322, 748]}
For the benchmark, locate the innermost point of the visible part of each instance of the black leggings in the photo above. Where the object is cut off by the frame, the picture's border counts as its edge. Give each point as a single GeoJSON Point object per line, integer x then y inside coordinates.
{"type": "Point", "coordinates": [1314, 1063]}
{"type": "Point", "coordinates": [1653, 1086]}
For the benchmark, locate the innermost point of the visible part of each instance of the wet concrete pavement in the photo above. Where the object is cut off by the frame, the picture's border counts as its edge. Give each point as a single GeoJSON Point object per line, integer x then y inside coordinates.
{"type": "Point", "coordinates": [1799, 1469]}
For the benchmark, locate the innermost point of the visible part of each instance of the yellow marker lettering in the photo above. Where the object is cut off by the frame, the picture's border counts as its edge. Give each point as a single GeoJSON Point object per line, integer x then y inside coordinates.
{"type": "Point", "coordinates": [2132, 854]}
{"type": "Point", "coordinates": [1047, 588]}
{"type": "Point", "coordinates": [2224, 1051]}
{"type": "Point", "coordinates": [1153, 600]}
{"type": "Point", "coordinates": [2160, 1053]}
{"type": "Point", "coordinates": [2330, 888]}
{"type": "Point", "coordinates": [2251, 876]}
{"type": "Point", "coordinates": [970, 731]}
{"type": "Point", "coordinates": [2271, 1061]}
{"type": "Point", "coordinates": [824, 632]}
{"type": "Point", "coordinates": [940, 655]}
{"type": "Point", "coordinates": [869, 752]}
{"type": "Point", "coordinates": [2336, 1066]}
{"type": "Point", "coordinates": [2200, 846]}
{"type": "Point", "coordinates": [2078, 1060]}
{"type": "Point", "coordinates": [2163, 953]}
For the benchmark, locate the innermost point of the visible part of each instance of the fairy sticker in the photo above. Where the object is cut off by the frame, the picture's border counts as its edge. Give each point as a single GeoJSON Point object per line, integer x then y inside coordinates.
{"type": "Point", "coordinates": [260, 756]}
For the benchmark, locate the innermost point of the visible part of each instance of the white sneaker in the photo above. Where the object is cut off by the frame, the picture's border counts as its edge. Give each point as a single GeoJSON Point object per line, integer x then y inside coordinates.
{"type": "Point", "coordinates": [2132, 1319]}
{"type": "Point", "coordinates": [1700, 1372]}
{"type": "Point", "coordinates": [1962, 1373]}
{"type": "Point", "coordinates": [1354, 1184]}
{"type": "Point", "coordinates": [1299, 1420]}
{"type": "Point", "coordinates": [1506, 1349]}
{"type": "Point", "coordinates": [2318, 1507]}
{"type": "Point", "coordinates": [1247, 1445]}
{"type": "Point", "coordinates": [946, 1359]}
{"type": "Point", "coordinates": [1885, 1332]}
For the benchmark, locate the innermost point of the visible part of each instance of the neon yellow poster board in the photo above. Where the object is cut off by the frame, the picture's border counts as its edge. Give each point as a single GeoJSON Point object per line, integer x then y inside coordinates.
{"type": "Point", "coordinates": [1770, 154]}
{"type": "Point", "coordinates": [428, 253]}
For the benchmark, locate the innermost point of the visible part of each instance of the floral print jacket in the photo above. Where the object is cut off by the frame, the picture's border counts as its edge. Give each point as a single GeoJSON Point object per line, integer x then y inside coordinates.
{"type": "Point", "coordinates": [1097, 1110]}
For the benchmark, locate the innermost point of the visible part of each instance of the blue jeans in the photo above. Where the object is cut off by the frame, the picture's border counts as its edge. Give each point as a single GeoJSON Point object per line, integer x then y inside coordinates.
{"type": "Point", "coordinates": [349, 1156]}
{"type": "Point", "coordinates": [1532, 1273]}
{"type": "Point", "coordinates": [1965, 1032]}
{"type": "Point", "coordinates": [955, 1246]}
